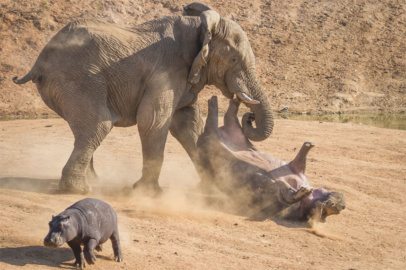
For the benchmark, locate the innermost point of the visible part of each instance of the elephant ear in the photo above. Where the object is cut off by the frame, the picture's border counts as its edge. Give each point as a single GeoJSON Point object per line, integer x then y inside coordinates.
{"type": "Point", "coordinates": [210, 20]}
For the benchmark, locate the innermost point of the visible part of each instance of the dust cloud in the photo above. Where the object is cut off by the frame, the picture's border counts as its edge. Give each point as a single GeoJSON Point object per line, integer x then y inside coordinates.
{"type": "Point", "coordinates": [323, 230]}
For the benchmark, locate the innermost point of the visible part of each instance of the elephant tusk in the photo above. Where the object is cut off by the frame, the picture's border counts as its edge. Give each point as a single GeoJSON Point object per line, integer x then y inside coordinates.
{"type": "Point", "coordinates": [246, 98]}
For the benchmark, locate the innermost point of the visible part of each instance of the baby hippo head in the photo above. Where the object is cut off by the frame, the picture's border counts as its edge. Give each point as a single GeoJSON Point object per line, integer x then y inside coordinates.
{"type": "Point", "coordinates": [324, 204]}
{"type": "Point", "coordinates": [60, 231]}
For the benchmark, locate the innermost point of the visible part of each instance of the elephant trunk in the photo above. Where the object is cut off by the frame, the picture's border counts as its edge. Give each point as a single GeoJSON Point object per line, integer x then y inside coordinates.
{"type": "Point", "coordinates": [261, 112]}
{"type": "Point", "coordinates": [263, 115]}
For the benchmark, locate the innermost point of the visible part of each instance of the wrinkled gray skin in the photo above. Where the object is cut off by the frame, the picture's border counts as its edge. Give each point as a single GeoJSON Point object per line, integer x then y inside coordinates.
{"type": "Point", "coordinates": [96, 75]}
{"type": "Point", "coordinates": [237, 168]}
{"type": "Point", "coordinates": [89, 222]}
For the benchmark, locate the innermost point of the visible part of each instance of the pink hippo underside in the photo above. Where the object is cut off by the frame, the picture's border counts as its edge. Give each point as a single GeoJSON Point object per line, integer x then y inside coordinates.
{"type": "Point", "coordinates": [231, 164]}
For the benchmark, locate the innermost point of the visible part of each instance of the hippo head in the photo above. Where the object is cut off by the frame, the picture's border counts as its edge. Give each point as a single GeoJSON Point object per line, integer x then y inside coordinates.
{"type": "Point", "coordinates": [322, 204]}
{"type": "Point", "coordinates": [60, 231]}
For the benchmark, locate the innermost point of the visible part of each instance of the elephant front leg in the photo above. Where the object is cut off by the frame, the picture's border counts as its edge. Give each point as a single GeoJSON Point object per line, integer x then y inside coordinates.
{"type": "Point", "coordinates": [153, 145]}
{"type": "Point", "coordinates": [186, 126]}
{"type": "Point", "coordinates": [153, 125]}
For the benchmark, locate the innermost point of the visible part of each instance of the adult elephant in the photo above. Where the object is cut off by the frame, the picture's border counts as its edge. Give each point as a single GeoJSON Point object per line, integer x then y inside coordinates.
{"type": "Point", "coordinates": [96, 75]}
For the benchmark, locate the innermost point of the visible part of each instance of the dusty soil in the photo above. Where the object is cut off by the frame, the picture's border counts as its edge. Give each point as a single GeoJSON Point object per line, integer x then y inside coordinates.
{"type": "Point", "coordinates": [312, 56]}
{"type": "Point", "coordinates": [179, 231]}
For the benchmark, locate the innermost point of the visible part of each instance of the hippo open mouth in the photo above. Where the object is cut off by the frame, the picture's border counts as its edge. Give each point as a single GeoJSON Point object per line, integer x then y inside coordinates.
{"type": "Point", "coordinates": [334, 204]}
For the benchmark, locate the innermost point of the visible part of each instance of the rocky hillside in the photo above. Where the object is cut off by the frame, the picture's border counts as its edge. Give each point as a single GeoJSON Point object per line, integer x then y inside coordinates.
{"type": "Point", "coordinates": [312, 55]}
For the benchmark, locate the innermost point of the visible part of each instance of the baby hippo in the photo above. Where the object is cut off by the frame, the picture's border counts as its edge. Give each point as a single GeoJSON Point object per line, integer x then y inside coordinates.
{"type": "Point", "coordinates": [89, 222]}
{"type": "Point", "coordinates": [228, 161]}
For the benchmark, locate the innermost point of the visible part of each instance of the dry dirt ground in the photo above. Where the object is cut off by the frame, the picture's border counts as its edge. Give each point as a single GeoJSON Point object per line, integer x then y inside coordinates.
{"type": "Point", "coordinates": [179, 231]}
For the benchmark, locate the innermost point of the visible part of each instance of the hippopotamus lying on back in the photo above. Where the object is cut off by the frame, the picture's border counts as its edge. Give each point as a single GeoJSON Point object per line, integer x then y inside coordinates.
{"type": "Point", "coordinates": [89, 222]}
{"type": "Point", "coordinates": [232, 164]}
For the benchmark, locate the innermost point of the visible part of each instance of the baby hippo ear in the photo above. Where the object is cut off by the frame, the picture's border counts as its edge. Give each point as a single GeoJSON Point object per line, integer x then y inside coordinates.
{"type": "Point", "coordinates": [210, 20]}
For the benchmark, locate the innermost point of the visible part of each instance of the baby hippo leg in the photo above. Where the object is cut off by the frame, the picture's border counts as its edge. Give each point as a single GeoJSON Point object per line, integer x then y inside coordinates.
{"type": "Point", "coordinates": [99, 248]}
{"type": "Point", "coordinates": [115, 240]}
{"type": "Point", "coordinates": [88, 251]}
{"type": "Point", "coordinates": [79, 258]}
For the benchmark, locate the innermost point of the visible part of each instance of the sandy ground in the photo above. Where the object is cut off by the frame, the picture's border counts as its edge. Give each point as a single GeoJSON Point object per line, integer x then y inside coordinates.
{"type": "Point", "coordinates": [179, 231]}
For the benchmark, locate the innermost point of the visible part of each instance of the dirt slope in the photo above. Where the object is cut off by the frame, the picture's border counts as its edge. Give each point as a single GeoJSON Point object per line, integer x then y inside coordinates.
{"type": "Point", "coordinates": [312, 56]}
{"type": "Point", "coordinates": [179, 232]}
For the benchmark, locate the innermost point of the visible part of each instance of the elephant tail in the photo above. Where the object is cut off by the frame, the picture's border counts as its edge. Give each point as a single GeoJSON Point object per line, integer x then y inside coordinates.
{"type": "Point", "coordinates": [29, 77]}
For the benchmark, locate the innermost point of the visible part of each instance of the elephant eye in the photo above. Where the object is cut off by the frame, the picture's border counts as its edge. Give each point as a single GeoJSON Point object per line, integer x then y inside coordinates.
{"type": "Point", "coordinates": [235, 59]}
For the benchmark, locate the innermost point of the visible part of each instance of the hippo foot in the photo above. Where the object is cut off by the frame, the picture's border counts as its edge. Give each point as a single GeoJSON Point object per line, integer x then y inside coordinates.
{"type": "Point", "coordinates": [309, 144]}
{"type": "Point", "coordinates": [90, 258]}
{"type": "Point", "coordinates": [118, 259]}
{"type": "Point", "coordinates": [80, 263]}
{"type": "Point", "coordinates": [148, 188]}
{"type": "Point", "coordinates": [302, 193]}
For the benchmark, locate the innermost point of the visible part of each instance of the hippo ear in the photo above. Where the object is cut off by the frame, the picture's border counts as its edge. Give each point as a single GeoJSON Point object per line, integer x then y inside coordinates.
{"type": "Point", "coordinates": [210, 20]}
{"type": "Point", "coordinates": [65, 218]}
{"type": "Point", "coordinates": [195, 9]}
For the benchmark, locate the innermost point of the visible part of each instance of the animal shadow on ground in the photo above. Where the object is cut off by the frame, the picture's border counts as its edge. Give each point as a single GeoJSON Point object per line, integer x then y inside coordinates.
{"type": "Point", "coordinates": [226, 205]}
{"type": "Point", "coordinates": [37, 255]}
{"type": "Point", "coordinates": [51, 186]}
{"type": "Point", "coordinates": [46, 186]}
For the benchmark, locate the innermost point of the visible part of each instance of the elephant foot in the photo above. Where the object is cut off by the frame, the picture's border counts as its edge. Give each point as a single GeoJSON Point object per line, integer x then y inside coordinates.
{"type": "Point", "coordinates": [148, 188]}
{"type": "Point", "coordinates": [75, 186]}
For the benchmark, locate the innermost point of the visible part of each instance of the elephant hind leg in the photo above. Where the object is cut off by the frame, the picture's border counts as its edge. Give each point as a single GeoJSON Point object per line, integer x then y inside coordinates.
{"type": "Point", "coordinates": [91, 173]}
{"type": "Point", "coordinates": [89, 133]}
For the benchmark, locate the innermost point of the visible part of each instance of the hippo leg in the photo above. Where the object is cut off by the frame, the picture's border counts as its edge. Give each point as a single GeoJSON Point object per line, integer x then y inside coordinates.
{"type": "Point", "coordinates": [77, 251]}
{"type": "Point", "coordinates": [290, 195]}
{"type": "Point", "coordinates": [88, 251]}
{"type": "Point", "coordinates": [298, 165]}
{"type": "Point", "coordinates": [115, 241]}
{"type": "Point", "coordinates": [99, 248]}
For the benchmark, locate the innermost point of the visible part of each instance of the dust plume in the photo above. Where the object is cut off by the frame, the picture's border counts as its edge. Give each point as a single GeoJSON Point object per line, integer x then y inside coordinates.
{"type": "Point", "coordinates": [322, 230]}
